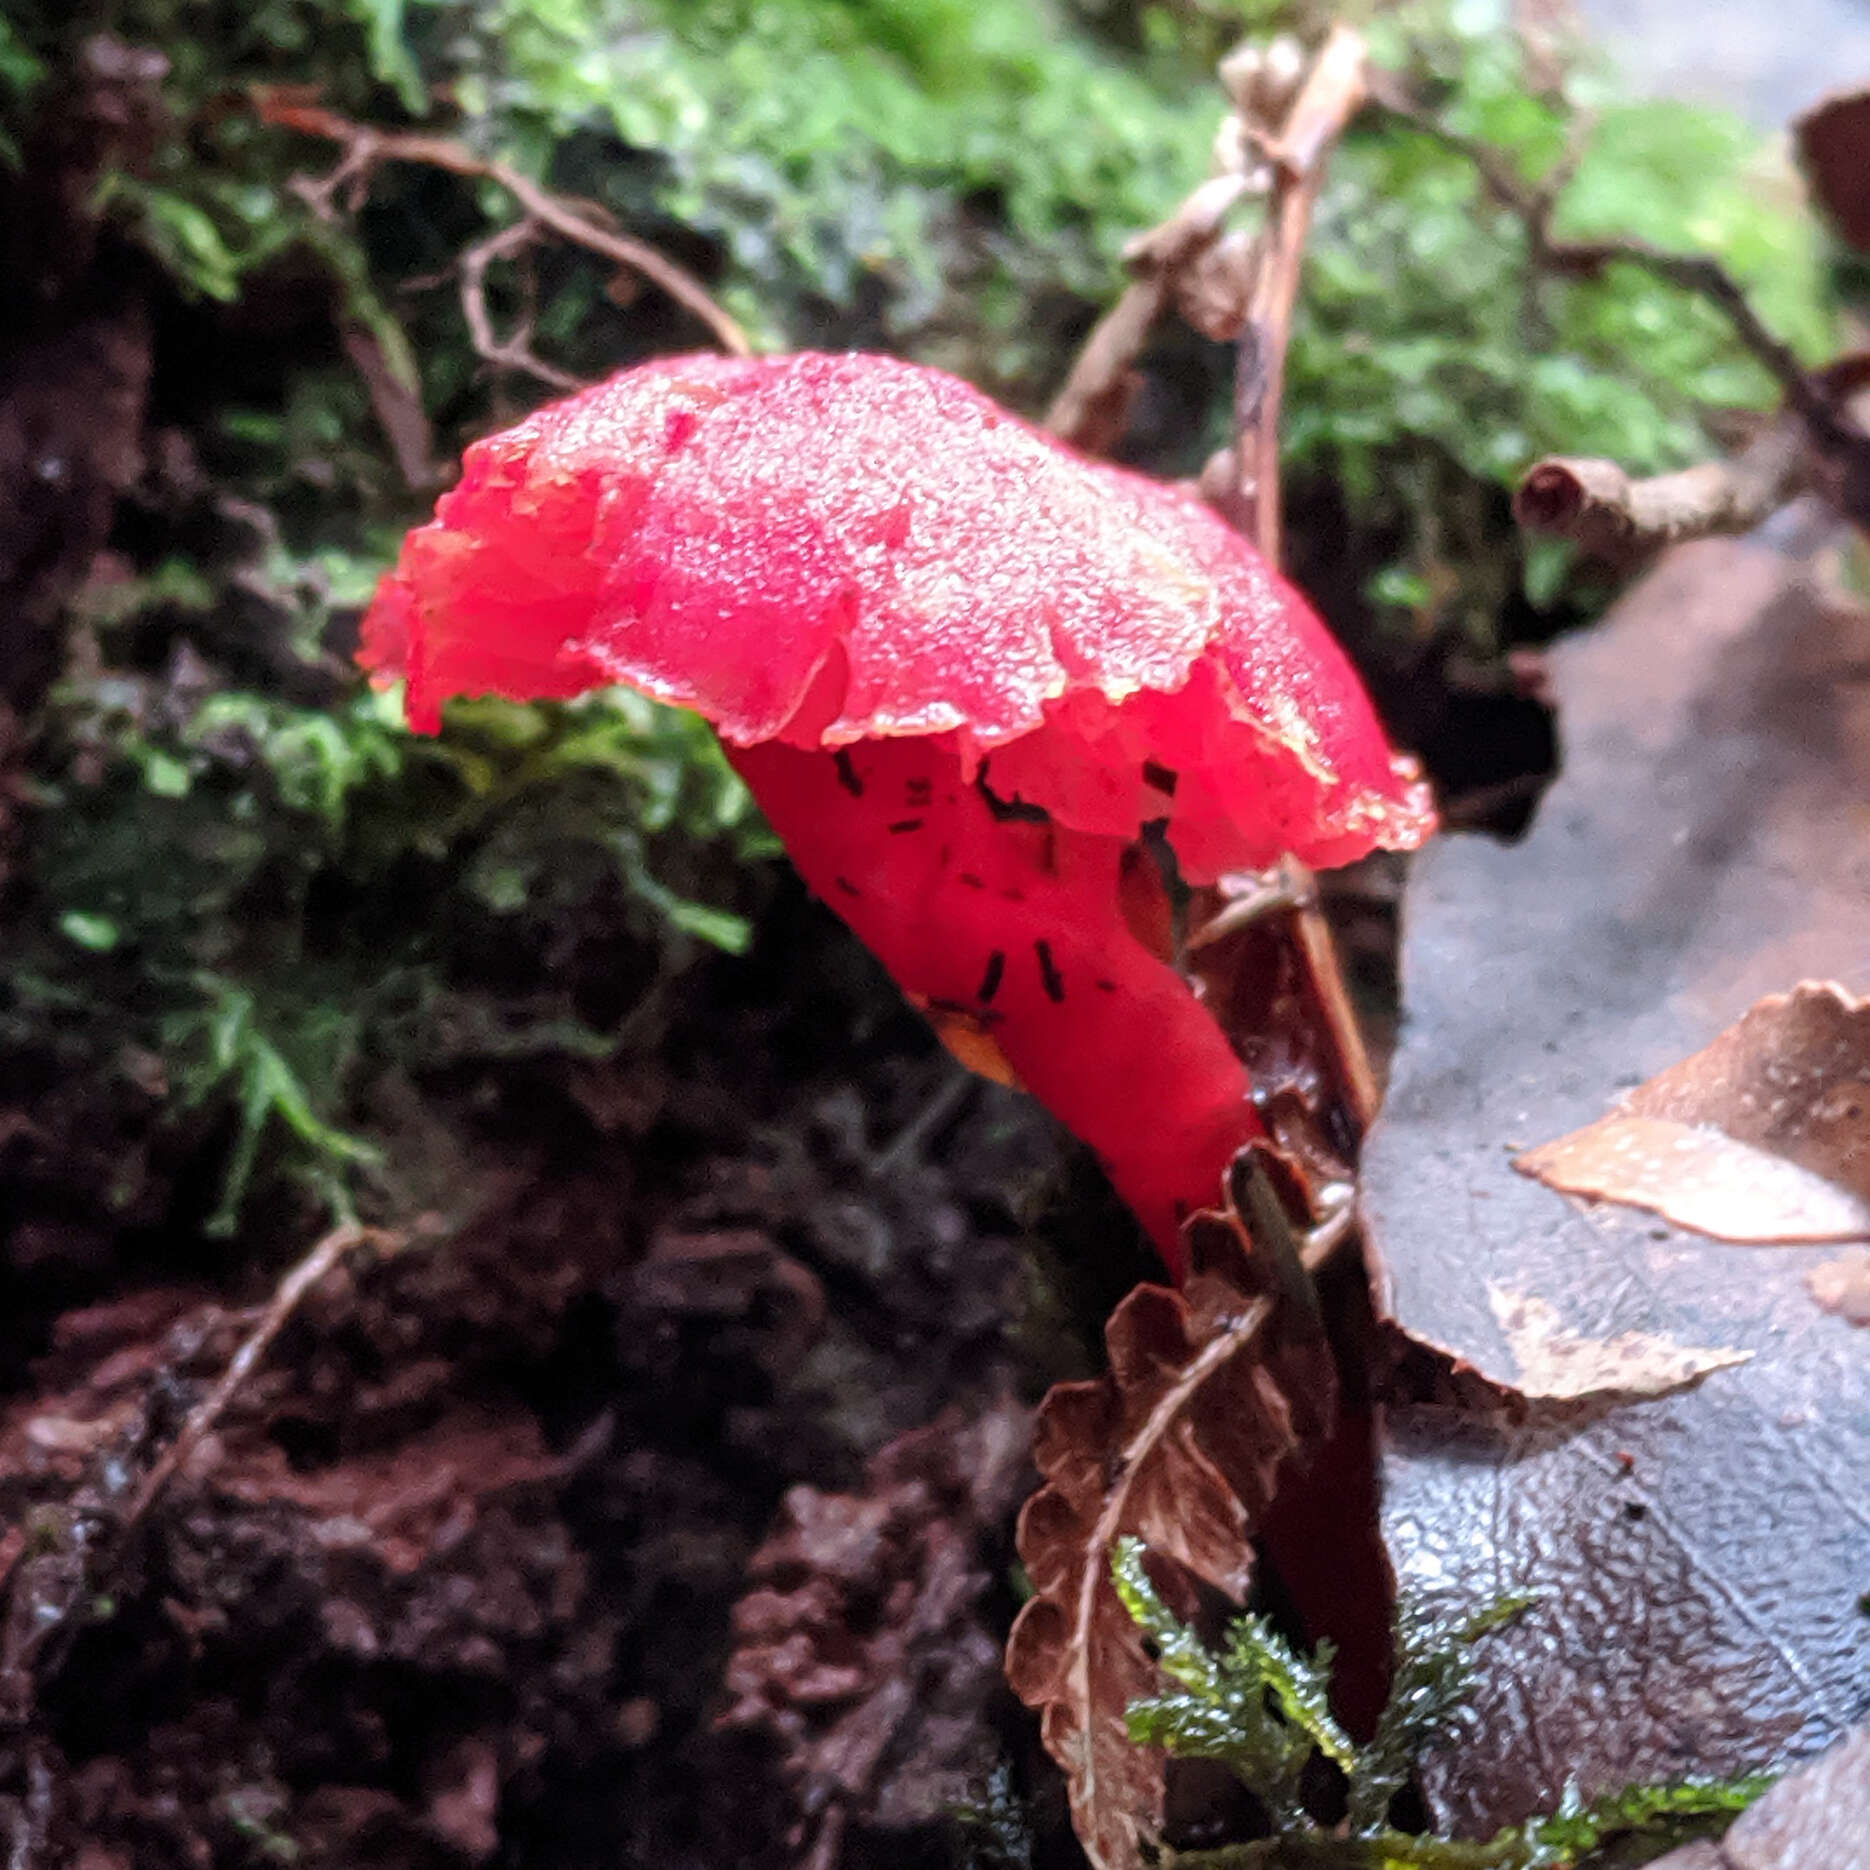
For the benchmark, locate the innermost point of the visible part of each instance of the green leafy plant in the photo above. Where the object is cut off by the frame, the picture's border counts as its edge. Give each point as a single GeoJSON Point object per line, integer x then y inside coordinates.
{"type": "Point", "coordinates": [1257, 1707]}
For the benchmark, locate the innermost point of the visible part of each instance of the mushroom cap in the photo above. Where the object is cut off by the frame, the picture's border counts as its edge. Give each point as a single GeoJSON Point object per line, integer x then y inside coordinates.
{"type": "Point", "coordinates": [822, 549]}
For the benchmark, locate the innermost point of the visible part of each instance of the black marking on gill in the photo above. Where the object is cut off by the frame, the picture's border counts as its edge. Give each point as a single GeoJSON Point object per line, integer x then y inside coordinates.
{"type": "Point", "coordinates": [990, 981]}
{"type": "Point", "coordinates": [918, 792]}
{"type": "Point", "coordinates": [847, 886]}
{"type": "Point", "coordinates": [1049, 977]}
{"type": "Point", "coordinates": [906, 824]}
{"type": "Point", "coordinates": [968, 878]}
{"type": "Point", "coordinates": [1160, 778]}
{"type": "Point", "coordinates": [847, 772]}
{"type": "Point", "coordinates": [1014, 808]}
{"type": "Point", "coordinates": [1105, 986]}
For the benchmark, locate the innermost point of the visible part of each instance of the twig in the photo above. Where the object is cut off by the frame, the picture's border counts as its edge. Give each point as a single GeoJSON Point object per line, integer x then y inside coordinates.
{"type": "Point", "coordinates": [1285, 157]}
{"type": "Point", "coordinates": [1091, 409]}
{"type": "Point", "coordinates": [1251, 896]}
{"type": "Point", "coordinates": [325, 1255]}
{"type": "Point", "coordinates": [514, 351]}
{"type": "Point", "coordinates": [366, 149]}
{"type": "Point", "coordinates": [1697, 273]}
{"type": "Point", "coordinates": [1707, 278]}
{"type": "Point", "coordinates": [1616, 518]}
{"type": "Point", "coordinates": [1344, 1033]}
{"type": "Point", "coordinates": [1333, 91]}
{"type": "Point", "coordinates": [1291, 890]}
{"type": "Point", "coordinates": [949, 1098]}
{"type": "Point", "coordinates": [395, 404]}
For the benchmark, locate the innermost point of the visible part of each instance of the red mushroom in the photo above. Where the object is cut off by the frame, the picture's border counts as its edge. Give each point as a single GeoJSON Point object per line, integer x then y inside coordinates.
{"type": "Point", "coordinates": [961, 669]}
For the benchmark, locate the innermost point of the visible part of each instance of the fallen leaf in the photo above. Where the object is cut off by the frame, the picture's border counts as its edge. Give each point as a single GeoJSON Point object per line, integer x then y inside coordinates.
{"type": "Point", "coordinates": [1763, 1135]}
{"type": "Point", "coordinates": [1558, 1363]}
{"type": "Point", "coordinates": [1699, 1178]}
{"type": "Point", "coordinates": [1818, 1819]}
{"type": "Point", "coordinates": [1695, 1557]}
{"type": "Point", "coordinates": [1843, 1286]}
{"type": "Point", "coordinates": [1207, 1395]}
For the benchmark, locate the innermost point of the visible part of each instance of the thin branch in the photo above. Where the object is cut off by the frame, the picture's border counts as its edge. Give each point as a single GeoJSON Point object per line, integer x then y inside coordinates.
{"type": "Point", "coordinates": [1616, 518]}
{"type": "Point", "coordinates": [1333, 92]}
{"type": "Point", "coordinates": [1705, 277]}
{"type": "Point", "coordinates": [1287, 118]}
{"type": "Point", "coordinates": [396, 405]}
{"type": "Point", "coordinates": [1324, 974]}
{"type": "Point", "coordinates": [1290, 890]}
{"type": "Point", "coordinates": [291, 1291]}
{"type": "Point", "coordinates": [514, 351]}
{"type": "Point", "coordinates": [1697, 273]}
{"type": "Point", "coordinates": [365, 150]}
{"type": "Point", "coordinates": [1094, 404]}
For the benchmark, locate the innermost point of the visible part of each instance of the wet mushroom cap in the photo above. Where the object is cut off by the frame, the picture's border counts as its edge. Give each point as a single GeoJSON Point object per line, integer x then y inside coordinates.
{"type": "Point", "coordinates": [822, 550]}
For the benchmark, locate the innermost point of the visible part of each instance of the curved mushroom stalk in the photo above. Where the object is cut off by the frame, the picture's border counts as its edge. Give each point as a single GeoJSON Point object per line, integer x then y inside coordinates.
{"type": "Point", "coordinates": [1015, 927]}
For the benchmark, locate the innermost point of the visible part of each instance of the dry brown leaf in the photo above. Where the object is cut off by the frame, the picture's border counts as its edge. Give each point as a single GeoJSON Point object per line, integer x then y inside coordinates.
{"type": "Point", "coordinates": [1762, 1136]}
{"type": "Point", "coordinates": [1179, 1445]}
{"type": "Point", "coordinates": [1843, 1285]}
{"type": "Point", "coordinates": [1562, 1365]}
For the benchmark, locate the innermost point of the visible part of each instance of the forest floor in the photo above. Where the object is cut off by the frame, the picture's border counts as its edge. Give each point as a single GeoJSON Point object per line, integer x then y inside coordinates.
{"type": "Point", "coordinates": [450, 1579]}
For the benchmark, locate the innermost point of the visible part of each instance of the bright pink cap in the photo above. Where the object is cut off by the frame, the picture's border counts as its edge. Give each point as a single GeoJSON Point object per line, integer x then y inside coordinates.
{"type": "Point", "coordinates": [822, 550]}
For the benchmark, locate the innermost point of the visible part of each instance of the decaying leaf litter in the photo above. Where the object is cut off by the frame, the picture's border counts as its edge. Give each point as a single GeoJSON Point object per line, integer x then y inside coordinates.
{"type": "Point", "coordinates": [1698, 1559]}
{"type": "Point", "coordinates": [716, 1266]}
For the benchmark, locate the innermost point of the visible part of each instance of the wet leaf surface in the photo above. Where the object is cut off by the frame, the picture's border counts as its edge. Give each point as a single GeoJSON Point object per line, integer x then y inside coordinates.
{"type": "Point", "coordinates": [1696, 1556]}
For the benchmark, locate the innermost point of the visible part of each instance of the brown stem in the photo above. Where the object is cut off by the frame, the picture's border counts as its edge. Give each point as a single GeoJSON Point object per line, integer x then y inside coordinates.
{"type": "Point", "coordinates": [366, 149]}
{"type": "Point", "coordinates": [1344, 1033]}
{"type": "Point", "coordinates": [1091, 408]}
{"type": "Point", "coordinates": [1333, 92]}
{"type": "Point", "coordinates": [1090, 411]}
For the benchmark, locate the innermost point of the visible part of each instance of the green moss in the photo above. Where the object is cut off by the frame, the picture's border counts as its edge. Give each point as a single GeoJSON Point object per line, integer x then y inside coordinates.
{"type": "Point", "coordinates": [1262, 1710]}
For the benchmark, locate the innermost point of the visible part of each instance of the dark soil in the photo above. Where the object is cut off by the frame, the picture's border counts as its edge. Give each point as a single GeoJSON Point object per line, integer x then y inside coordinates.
{"type": "Point", "coordinates": [451, 1581]}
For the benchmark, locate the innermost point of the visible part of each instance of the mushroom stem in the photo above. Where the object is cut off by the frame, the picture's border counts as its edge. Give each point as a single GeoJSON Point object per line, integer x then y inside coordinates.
{"type": "Point", "coordinates": [1010, 930]}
